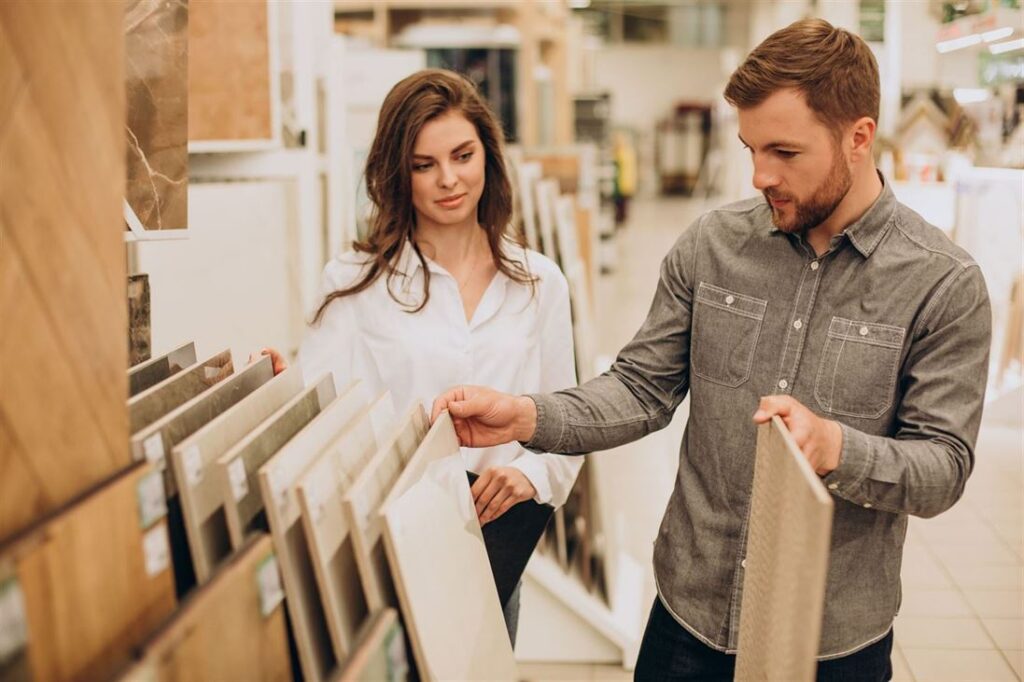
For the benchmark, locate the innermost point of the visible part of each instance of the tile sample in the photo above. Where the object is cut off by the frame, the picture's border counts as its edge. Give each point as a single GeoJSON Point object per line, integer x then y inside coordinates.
{"type": "Point", "coordinates": [786, 563]}
{"type": "Point", "coordinates": [63, 427]}
{"type": "Point", "coordinates": [238, 466]}
{"type": "Point", "coordinates": [233, 628]}
{"type": "Point", "coordinates": [362, 506]}
{"type": "Point", "coordinates": [319, 490]}
{"type": "Point", "coordinates": [229, 85]}
{"type": "Point", "coordinates": [379, 655]}
{"type": "Point", "coordinates": [140, 337]}
{"type": "Point", "coordinates": [437, 556]}
{"type": "Point", "coordinates": [194, 461]}
{"type": "Point", "coordinates": [151, 372]}
{"type": "Point", "coordinates": [155, 402]}
{"type": "Point", "coordinates": [94, 579]}
{"type": "Point", "coordinates": [156, 84]}
{"type": "Point", "coordinates": [277, 479]}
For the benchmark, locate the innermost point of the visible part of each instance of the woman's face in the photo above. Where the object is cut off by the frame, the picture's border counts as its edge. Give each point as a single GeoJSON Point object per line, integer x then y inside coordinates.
{"type": "Point", "coordinates": [447, 171]}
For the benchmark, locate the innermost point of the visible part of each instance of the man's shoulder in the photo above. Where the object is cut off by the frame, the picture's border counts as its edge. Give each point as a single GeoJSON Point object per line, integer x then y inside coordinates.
{"type": "Point", "coordinates": [917, 234]}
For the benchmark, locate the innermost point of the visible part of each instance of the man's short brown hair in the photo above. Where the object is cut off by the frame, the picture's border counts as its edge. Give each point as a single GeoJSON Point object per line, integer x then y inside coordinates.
{"type": "Point", "coordinates": [833, 69]}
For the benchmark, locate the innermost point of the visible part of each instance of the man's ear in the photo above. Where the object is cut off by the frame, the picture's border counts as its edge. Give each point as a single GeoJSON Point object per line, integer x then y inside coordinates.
{"type": "Point", "coordinates": [860, 136]}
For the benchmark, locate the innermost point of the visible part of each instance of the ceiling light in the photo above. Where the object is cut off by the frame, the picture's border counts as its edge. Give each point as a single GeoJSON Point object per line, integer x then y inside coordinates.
{"type": "Point", "coordinates": [971, 95]}
{"type": "Point", "coordinates": [958, 43]}
{"type": "Point", "coordinates": [1008, 46]}
{"type": "Point", "coordinates": [997, 34]}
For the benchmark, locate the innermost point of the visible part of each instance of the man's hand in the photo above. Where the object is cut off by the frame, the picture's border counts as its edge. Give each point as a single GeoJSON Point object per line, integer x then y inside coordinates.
{"type": "Point", "coordinates": [497, 490]}
{"type": "Point", "coordinates": [277, 360]}
{"type": "Point", "coordinates": [820, 440]}
{"type": "Point", "coordinates": [484, 417]}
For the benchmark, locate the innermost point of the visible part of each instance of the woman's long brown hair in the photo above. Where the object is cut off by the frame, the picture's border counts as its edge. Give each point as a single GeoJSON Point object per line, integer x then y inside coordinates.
{"type": "Point", "coordinates": [413, 102]}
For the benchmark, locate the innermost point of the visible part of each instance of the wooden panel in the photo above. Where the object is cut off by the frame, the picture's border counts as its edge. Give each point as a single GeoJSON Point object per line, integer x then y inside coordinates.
{"type": "Point", "coordinates": [436, 551]}
{"type": "Point", "coordinates": [152, 372]}
{"type": "Point", "coordinates": [153, 403]}
{"type": "Point", "coordinates": [380, 652]}
{"type": "Point", "coordinates": [239, 465]}
{"type": "Point", "coordinates": [195, 458]}
{"type": "Point", "coordinates": [63, 427]}
{"type": "Point", "coordinates": [208, 541]}
{"type": "Point", "coordinates": [229, 629]}
{"type": "Point", "coordinates": [362, 506]}
{"type": "Point", "coordinates": [229, 92]}
{"type": "Point", "coordinates": [320, 490]}
{"type": "Point", "coordinates": [546, 193]}
{"type": "Point", "coordinates": [277, 488]}
{"type": "Point", "coordinates": [95, 579]}
{"type": "Point", "coordinates": [786, 563]}
{"type": "Point", "coordinates": [156, 81]}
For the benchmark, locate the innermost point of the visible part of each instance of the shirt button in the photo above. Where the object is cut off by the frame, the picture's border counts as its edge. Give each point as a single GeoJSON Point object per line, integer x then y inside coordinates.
{"type": "Point", "coordinates": [833, 486]}
{"type": "Point", "coordinates": [729, 300]}
{"type": "Point", "coordinates": [867, 505]}
{"type": "Point", "coordinates": [814, 265]}
{"type": "Point", "coordinates": [798, 324]}
{"type": "Point", "coordinates": [783, 383]}
{"type": "Point", "coordinates": [743, 563]}
{"type": "Point", "coordinates": [863, 331]}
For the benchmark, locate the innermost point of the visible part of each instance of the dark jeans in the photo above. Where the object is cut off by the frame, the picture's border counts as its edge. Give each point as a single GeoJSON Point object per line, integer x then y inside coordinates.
{"type": "Point", "coordinates": [669, 652]}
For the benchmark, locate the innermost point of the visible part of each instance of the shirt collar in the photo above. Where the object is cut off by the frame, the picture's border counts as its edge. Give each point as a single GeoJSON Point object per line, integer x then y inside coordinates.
{"type": "Point", "coordinates": [867, 231]}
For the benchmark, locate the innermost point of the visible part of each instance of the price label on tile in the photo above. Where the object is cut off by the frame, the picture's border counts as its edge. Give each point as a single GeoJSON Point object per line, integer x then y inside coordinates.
{"type": "Point", "coordinates": [152, 502]}
{"type": "Point", "coordinates": [156, 551]}
{"type": "Point", "coordinates": [239, 480]}
{"type": "Point", "coordinates": [13, 623]}
{"type": "Point", "coordinates": [193, 465]}
{"type": "Point", "coordinates": [268, 579]}
{"type": "Point", "coordinates": [153, 447]}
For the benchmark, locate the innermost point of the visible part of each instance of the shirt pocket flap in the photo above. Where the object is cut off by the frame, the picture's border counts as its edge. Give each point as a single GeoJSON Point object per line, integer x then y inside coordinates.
{"type": "Point", "coordinates": [731, 301]}
{"type": "Point", "coordinates": [867, 332]}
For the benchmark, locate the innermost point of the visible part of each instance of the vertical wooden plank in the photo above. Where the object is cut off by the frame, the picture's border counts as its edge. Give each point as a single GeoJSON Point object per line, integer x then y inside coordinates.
{"type": "Point", "coordinates": [786, 563]}
{"type": "Point", "coordinates": [96, 578]}
{"type": "Point", "coordinates": [63, 427]}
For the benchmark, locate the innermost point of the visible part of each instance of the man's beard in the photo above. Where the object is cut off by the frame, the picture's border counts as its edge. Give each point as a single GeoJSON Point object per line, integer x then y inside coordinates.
{"type": "Point", "coordinates": [822, 203]}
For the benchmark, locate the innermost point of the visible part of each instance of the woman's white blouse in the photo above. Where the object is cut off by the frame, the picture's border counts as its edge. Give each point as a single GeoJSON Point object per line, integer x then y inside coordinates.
{"type": "Point", "coordinates": [519, 341]}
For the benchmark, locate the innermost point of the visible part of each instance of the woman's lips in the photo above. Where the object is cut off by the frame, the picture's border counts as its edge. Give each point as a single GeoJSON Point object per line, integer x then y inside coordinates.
{"type": "Point", "coordinates": [451, 202]}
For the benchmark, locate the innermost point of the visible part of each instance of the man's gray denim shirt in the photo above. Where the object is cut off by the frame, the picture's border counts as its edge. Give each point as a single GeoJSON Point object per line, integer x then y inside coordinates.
{"type": "Point", "coordinates": [887, 333]}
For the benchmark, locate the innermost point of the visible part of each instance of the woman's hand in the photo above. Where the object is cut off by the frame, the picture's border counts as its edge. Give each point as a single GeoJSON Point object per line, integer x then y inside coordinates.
{"type": "Point", "coordinates": [497, 490]}
{"type": "Point", "coordinates": [276, 359]}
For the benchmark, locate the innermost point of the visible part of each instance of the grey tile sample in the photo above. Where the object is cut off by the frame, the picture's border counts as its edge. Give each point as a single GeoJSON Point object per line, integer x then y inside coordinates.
{"type": "Point", "coordinates": [151, 372]}
{"type": "Point", "coordinates": [155, 402]}
{"type": "Point", "coordinates": [194, 460]}
{"type": "Point", "coordinates": [239, 482]}
{"type": "Point", "coordinates": [140, 337]}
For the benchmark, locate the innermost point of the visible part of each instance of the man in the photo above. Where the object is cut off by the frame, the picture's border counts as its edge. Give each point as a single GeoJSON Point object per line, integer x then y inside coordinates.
{"type": "Point", "coordinates": [865, 327]}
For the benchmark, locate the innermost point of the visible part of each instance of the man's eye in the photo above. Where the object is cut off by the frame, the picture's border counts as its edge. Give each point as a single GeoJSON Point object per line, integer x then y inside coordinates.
{"type": "Point", "coordinates": [786, 154]}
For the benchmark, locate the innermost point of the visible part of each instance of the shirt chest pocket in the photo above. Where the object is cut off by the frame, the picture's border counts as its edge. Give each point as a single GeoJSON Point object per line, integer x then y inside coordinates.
{"type": "Point", "coordinates": [857, 372]}
{"type": "Point", "coordinates": [726, 327]}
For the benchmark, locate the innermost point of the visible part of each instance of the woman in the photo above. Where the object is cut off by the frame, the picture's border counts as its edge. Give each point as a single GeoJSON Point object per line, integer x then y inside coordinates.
{"type": "Point", "coordinates": [439, 295]}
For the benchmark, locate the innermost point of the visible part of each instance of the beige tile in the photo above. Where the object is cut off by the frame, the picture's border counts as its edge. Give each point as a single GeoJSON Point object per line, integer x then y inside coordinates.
{"type": "Point", "coordinates": [940, 665]}
{"type": "Point", "coordinates": [610, 672]}
{"type": "Point", "coordinates": [542, 672]}
{"type": "Point", "coordinates": [921, 571]}
{"type": "Point", "coordinates": [935, 604]}
{"type": "Point", "coordinates": [900, 669]}
{"type": "Point", "coordinates": [987, 576]}
{"type": "Point", "coordinates": [1016, 659]}
{"type": "Point", "coordinates": [1007, 633]}
{"type": "Point", "coordinates": [988, 553]}
{"type": "Point", "coordinates": [996, 603]}
{"type": "Point", "coordinates": [916, 632]}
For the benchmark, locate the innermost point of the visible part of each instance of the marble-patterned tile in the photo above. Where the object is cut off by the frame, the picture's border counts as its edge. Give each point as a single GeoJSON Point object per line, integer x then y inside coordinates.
{"type": "Point", "coordinates": [150, 373]}
{"type": "Point", "coordinates": [148, 406]}
{"type": "Point", "coordinates": [156, 81]}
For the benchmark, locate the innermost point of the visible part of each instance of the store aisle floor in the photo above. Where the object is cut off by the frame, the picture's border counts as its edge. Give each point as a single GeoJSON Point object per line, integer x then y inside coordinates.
{"type": "Point", "coordinates": [963, 573]}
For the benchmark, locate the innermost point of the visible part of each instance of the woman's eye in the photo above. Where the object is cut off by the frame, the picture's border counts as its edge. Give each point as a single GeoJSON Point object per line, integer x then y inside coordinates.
{"type": "Point", "coordinates": [420, 167]}
{"type": "Point", "coordinates": [465, 156]}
